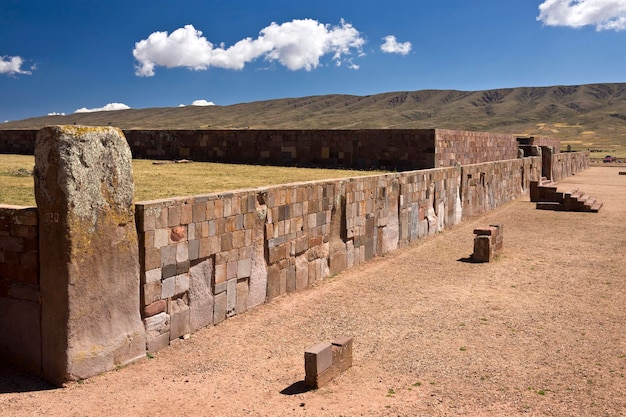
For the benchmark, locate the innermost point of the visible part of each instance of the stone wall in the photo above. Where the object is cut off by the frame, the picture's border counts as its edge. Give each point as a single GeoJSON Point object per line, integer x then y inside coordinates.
{"type": "Point", "coordinates": [20, 303]}
{"type": "Point", "coordinates": [210, 257]}
{"type": "Point", "coordinates": [567, 164]}
{"type": "Point", "coordinates": [205, 258]}
{"type": "Point", "coordinates": [20, 142]}
{"type": "Point", "coordinates": [540, 141]}
{"type": "Point", "coordinates": [392, 149]}
{"type": "Point", "coordinates": [487, 186]}
{"type": "Point", "coordinates": [454, 147]}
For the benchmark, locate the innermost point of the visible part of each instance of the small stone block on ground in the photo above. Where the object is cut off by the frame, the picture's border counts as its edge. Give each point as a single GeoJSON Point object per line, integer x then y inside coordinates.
{"type": "Point", "coordinates": [488, 242]}
{"type": "Point", "coordinates": [325, 361]}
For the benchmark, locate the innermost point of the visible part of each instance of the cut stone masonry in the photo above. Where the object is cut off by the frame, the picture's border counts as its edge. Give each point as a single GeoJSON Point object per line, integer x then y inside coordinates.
{"type": "Point", "coordinates": [325, 361]}
{"type": "Point", "coordinates": [488, 242]}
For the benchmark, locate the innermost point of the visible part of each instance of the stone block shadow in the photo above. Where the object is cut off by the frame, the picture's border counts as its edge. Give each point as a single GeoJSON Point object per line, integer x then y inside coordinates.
{"type": "Point", "coordinates": [296, 388]}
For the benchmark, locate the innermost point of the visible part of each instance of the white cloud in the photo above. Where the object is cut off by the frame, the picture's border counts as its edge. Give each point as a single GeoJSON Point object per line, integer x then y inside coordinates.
{"type": "Point", "coordinates": [603, 14]}
{"type": "Point", "coordinates": [202, 103]}
{"type": "Point", "coordinates": [299, 44]}
{"type": "Point", "coordinates": [108, 107]}
{"type": "Point", "coordinates": [12, 65]}
{"type": "Point", "coordinates": [56, 114]}
{"type": "Point", "coordinates": [391, 46]}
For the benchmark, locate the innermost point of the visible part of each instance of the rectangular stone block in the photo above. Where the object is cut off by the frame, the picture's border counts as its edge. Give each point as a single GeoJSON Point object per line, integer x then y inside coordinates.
{"type": "Point", "coordinates": [181, 284]}
{"type": "Point", "coordinates": [179, 316]}
{"type": "Point", "coordinates": [152, 292]}
{"type": "Point", "coordinates": [482, 249]}
{"type": "Point", "coordinates": [242, 296]}
{"type": "Point", "coordinates": [273, 282]}
{"type": "Point", "coordinates": [155, 343]}
{"type": "Point", "coordinates": [155, 308]}
{"type": "Point", "coordinates": [342, 353]}
{"type": "Point", "coordinates": [244, 268]}
{"type": "Point", "coordinates": [168, 287]}
{"type": "Point", "coordinates": [219, 308]}
{"type": "Point", "coordinates": [318, 358]}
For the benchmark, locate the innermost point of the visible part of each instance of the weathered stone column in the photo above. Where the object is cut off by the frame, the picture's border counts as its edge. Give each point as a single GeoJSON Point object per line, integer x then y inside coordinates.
{"type": "Point", "coordinates": [88, 252]}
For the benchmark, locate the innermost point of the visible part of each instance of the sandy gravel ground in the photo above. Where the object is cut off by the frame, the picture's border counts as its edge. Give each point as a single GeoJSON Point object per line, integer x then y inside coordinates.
{"type": "Point", "coordinates": [539, 332]}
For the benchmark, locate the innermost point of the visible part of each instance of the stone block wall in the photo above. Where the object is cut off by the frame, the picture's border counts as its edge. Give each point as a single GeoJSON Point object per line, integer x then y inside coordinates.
{"type": "Point", "coordinates": [487, 186]}
{"type": "Point", "coordinates": [547, 141]}
{"type": "Point", "coordinates": [393, 149]}
{"type": "Point", "coordinates": [210, 257]}
{"type": "Point", "coordinates": [454, 147]}
{"type": "Point", "coordinates": [20, 142]}
{"type": "Point", "coordinates": [567, 164]}
{"type": "Point", "coordinates": [20, 303]}
{"type": "Point", "coordinates": [198, 262]}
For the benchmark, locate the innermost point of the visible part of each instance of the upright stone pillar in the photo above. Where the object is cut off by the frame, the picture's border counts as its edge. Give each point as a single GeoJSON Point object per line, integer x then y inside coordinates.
{"type": "Point", "coordinates": [88, 252]}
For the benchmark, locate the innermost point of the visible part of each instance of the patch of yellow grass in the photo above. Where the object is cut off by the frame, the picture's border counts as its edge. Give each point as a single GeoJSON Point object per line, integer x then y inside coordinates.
{"type": "Point", "coordinates": [172, 180]}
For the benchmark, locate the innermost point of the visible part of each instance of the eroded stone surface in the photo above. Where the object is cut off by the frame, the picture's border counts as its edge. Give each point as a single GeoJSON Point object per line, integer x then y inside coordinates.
{"type": "Point", "coordinates": [89, 252]}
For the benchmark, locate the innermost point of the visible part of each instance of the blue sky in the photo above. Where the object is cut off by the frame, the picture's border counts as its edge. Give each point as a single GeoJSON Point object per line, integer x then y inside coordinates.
{"type": "Point", "coordinates": [63, 56]}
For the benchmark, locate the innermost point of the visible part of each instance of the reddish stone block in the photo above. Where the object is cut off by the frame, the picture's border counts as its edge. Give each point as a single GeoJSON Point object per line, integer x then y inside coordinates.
{"type": "Point", "coordinates": [178, 233]}
{"type": "Point", "coordinates": [325, 361]}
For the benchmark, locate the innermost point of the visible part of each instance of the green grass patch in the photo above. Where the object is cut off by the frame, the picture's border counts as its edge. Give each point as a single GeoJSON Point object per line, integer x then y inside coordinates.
{"type": "Point", "coordinates": [171, 180]}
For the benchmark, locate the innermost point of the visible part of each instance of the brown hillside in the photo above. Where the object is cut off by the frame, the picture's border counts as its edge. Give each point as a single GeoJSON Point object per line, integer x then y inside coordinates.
{"type": "Point", "coordinates": [586, 115]}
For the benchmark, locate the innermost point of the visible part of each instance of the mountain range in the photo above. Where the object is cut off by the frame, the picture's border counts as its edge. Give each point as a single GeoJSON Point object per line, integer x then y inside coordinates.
{"type": "Point", "coordinates": [584, 116]}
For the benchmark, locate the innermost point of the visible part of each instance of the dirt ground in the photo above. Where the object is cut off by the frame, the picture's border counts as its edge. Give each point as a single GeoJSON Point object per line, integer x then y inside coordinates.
{"type": "Point", "coordinates": [539, 332]}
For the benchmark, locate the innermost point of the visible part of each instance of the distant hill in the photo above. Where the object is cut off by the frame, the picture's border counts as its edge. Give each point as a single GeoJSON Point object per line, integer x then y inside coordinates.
{"type": "Point", "coordinates": [584, 115]}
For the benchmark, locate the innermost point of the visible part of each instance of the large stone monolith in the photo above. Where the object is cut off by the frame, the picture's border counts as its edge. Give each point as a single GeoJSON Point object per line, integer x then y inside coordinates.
{"type": "Point", "coordinates": [89, 253]}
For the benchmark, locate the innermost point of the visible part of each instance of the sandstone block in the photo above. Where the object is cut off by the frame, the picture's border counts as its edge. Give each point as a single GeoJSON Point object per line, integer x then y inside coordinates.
{"type": "Point", "coordinates": [242, 296]}
{"type": "Point", "coordinates": [219, 308]}
{"type": "Point", "coordinates": [179, 316]}
{"type": "Point", "coordinates": [200, 295]}
{"type": "Point", "coordinates": [155, 308]}
{"type": "Point", "coordinates": [84, 191]}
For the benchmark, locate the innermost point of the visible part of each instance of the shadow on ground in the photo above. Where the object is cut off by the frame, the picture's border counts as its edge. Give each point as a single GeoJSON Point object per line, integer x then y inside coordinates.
{"type": "Point", "coordinates": [13, 381]}
{"type": "Point", "coordinates": [296, 388]}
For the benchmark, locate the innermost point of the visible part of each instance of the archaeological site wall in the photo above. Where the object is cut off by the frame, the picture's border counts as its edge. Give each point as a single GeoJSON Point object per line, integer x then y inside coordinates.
{"type": "Point", "coordinates": [567, 164]}
{"type": "Point", "coordinates": [202, 259]}
{"type": "Point", "coordinates": [391, 149]}
{"type": "Point", "coordinates": [20, 301]}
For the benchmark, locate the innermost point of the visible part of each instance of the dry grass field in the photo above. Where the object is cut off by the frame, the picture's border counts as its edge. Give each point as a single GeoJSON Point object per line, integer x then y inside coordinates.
{"type": "Point", "coordinates": [170, 180]}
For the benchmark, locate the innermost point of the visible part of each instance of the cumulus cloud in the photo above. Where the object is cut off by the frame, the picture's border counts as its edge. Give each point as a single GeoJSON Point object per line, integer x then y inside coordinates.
{"type": "Point", "coordinates": [299, 44]}
{"type": "Point", "coordinates": [202, 103]}
{"type": "Point", "coordinates": [56, 114]}
{"type": "Point", "coordinates": [391, 46]}
{"type": "Point", "coordinates": [12, 65]}
{"type": "Point", "coordinates": [108, 107]}
{"type": "Point", "coordinates": [603, 14]}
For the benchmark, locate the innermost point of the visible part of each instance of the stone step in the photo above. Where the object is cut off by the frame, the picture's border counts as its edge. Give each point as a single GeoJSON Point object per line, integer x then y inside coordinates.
{"type": "Point", "coordinates": [549, 205]}
{"type": "Point", "coordinates": [596, 207]}
{"type": "Point", "coordinates": [590, 202]}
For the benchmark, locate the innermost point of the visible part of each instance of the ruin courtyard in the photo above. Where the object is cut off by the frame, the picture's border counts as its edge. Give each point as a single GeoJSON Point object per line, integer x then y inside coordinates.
{"type": "Point", "coordinates": [538, 331]}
